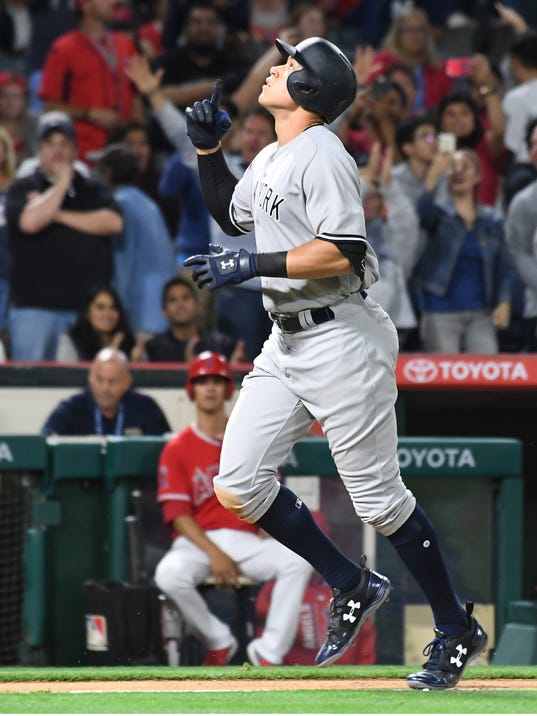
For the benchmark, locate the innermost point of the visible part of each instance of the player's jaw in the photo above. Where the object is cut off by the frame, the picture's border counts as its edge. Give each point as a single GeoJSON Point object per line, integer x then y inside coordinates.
{"type": "Point", "coordinates": [274, 93]}
{"type": "Point", "coordinates": [265, 93]}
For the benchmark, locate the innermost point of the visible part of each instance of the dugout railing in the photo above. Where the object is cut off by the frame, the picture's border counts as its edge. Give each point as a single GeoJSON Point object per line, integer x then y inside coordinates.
{"type": "Point", "coordinates": [78, 493]}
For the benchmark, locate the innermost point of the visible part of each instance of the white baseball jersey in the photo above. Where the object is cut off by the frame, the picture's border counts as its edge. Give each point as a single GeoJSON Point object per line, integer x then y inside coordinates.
{"type": "Point", "coordinates": [292, 194]}
{"type": "Point", "coordinates": [340, 372]}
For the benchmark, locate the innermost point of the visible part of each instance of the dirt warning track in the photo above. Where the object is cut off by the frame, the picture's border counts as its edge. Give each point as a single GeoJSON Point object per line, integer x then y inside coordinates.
{"type": "Point", "coordinates": [171, 685]}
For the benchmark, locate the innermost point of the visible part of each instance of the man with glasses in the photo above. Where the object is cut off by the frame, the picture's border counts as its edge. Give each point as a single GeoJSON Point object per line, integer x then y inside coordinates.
{"type": "Point", "coordinates": [416, 141]}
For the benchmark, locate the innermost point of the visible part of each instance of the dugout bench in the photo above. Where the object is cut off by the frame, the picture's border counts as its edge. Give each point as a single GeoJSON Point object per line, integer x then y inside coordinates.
{"type": "Point", "coordinates": [77, 492]}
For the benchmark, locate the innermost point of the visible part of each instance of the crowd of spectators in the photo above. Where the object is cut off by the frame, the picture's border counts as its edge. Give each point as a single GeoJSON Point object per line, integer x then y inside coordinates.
{"type": "Point", "coordinates": [100, 201]}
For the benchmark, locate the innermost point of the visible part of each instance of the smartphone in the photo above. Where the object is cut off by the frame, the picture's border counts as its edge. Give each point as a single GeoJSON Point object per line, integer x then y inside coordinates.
{"type": "Point", "coordinates": [459, 66]}
{"type": "Point", "coordinates": [380, 87]}
{"type": "Point", "coordinates": [447, 142]}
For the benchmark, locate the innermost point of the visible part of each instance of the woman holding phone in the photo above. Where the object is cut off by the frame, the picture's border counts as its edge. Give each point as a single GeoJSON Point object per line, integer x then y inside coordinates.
{"type": "Point", "coordinates": [479, 127]}
{"type": "Point", "coordinates": [464, 276]}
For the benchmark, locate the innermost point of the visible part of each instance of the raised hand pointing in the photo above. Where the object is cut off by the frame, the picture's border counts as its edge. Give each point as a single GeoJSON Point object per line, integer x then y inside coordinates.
{"type": "Point", "coordinates": [206, 122]}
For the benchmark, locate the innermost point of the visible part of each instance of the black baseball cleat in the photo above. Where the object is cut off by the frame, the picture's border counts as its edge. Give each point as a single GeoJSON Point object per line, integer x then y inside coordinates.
{"type": "Point", "coordinates": [449, 656]}
{"type": "Point", "coordinates": [349, 611]}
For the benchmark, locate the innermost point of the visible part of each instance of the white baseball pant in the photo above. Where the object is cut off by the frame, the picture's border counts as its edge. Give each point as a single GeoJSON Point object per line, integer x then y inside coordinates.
{"type": "Point", "coordinates": [185, 566]}
{"type": "Point", "coordinates": [341, 373]}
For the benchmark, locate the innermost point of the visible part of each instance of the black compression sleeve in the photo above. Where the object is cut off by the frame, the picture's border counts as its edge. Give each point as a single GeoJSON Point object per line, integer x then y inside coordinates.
{"type": "Point", "coordinates": [217, 185]}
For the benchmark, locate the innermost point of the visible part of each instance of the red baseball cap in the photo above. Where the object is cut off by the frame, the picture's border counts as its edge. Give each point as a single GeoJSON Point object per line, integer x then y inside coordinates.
{"type": "Point", "coordinates": [12, 78]}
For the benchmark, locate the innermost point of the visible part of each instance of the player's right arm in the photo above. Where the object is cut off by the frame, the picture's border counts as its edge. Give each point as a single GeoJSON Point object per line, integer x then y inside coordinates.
{"type": "Point", "coordinates": [217, 186]}
{"type": "Point", "coordinates": [206, 125]}
{"type": "Point", "coordinates": [224, 569]}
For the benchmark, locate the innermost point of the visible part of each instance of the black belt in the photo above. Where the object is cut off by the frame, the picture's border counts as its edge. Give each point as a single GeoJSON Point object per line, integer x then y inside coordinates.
{"type": "Point", "coordinates": [295, 322]}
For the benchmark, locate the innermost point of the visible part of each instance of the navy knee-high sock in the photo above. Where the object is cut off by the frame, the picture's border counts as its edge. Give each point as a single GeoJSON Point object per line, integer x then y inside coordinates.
{"type": "Point", "coordinates": [290, 522]}
{"type": "Point", "coordinates": [417, 545]}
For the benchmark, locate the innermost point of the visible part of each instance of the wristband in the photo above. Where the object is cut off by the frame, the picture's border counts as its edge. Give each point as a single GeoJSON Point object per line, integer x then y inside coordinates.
{"type": "Point", "coordinates": [273, 264]}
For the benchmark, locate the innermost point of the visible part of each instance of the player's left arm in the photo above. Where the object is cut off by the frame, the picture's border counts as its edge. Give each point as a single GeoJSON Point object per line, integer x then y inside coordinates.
{"type": "Point", "coordinates": [320, 258]}
{"type": "Point", "coordinates": [331, 191]}
{"type": "Point", "coordinates": [317, 258]}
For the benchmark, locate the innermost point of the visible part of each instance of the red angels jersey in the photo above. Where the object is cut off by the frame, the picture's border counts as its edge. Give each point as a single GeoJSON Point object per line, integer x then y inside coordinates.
{"type": "Point", "coordinates": [188, 463]}
{"type": "Point", "coordinates": [86, 74]}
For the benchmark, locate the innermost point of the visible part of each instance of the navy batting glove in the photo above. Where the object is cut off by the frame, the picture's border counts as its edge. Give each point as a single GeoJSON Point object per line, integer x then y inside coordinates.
{"type": "Point", "coordinates": [221, 267]}
{"type": "Point", "coordinates": [206, 124]}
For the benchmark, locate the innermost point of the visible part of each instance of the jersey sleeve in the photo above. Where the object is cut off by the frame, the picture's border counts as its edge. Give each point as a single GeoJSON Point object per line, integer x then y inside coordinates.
{"type": "Point", "coordinates": [333, 197]}
{"type": "Point", "coordinates": [240, 208]}
{"type": "Point", "coordinates": [174, 494]}
{"type": "Point", "coordinates": [55, 77]}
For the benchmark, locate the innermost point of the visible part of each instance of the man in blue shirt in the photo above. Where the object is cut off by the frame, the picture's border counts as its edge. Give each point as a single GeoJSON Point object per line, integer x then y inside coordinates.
{"type": "Point", "coordinates": [108, 406]}
{"type": "Point", "coordinates": [143, 252]}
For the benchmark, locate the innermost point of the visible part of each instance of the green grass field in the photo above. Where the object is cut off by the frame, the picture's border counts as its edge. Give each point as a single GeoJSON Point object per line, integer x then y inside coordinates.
{"type": "Point", "coordinates": [331, 701]}
{"type": "Point", "coordinates": [281, 702]}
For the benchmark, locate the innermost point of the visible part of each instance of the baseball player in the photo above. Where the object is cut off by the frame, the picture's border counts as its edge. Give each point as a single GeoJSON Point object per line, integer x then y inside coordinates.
{"type": "Point", "coordinates": [331, 354]}
{"type": "Point", "coordinates": [210, 540]}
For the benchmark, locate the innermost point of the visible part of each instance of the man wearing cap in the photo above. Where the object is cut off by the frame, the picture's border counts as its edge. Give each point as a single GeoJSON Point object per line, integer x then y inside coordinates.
{"type": "Point", "coordinates": [59, 225]}
{"type": "Point", "coordinates": [84, 75]}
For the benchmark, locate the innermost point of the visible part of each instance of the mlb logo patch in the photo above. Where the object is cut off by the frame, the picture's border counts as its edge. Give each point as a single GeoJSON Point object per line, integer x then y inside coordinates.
{"type": "Point", "coordinates": [96, 633]}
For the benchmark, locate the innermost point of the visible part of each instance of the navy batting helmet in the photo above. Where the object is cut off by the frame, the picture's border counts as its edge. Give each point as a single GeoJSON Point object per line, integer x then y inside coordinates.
{"type": "Point", "coordinates": [327, 83]}
{"type": "Point", "coordinates": [209, 363]}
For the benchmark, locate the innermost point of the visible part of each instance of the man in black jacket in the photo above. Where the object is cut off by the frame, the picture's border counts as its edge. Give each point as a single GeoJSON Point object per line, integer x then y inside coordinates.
{"type": "Point", "coordinates": [59, 225]}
